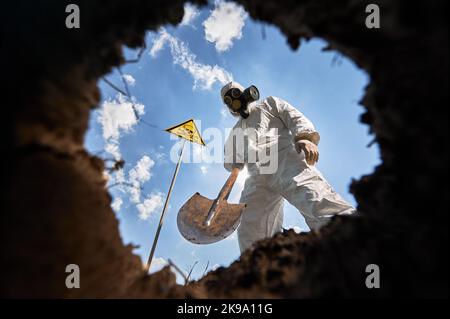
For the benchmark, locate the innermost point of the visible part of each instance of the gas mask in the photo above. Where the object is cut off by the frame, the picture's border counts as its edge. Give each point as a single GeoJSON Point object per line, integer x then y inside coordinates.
{"type": "Point", "coordinates": [238, 101]}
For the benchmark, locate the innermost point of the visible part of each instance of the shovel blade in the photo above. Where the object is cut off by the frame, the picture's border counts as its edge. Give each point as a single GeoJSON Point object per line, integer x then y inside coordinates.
{"type": "Point", "coordinates": [192, 216]}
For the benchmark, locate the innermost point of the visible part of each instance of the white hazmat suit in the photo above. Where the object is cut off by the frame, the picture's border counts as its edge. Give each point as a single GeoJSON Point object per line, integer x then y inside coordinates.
{"type": "Point", "coordinates": [272, 126]}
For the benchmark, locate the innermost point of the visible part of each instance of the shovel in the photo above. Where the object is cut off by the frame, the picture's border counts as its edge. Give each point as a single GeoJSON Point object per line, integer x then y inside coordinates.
{"type": "Point", "coordinates": [205, 221]}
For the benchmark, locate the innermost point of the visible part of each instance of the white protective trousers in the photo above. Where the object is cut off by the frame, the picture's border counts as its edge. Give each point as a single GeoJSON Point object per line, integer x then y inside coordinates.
{"type": "Point", "coordinates": [271, 128]}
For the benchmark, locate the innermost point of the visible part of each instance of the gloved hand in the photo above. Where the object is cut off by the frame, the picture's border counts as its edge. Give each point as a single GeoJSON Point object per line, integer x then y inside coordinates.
{"type": "Point", "coordinates": [310, 149]}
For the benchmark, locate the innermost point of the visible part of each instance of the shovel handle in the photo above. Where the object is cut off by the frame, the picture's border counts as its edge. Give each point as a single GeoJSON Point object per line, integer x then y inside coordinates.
{"type": "Point", "coordinates": [228, 186]}
{"type": "Point", "coordinates": [223, 195]}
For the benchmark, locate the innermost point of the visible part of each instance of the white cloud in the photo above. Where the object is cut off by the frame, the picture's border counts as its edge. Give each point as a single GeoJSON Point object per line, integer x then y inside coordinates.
{"type": "Point", "coordinates": [118, 116]}
{"type": "Point", "coordinates": [120, 176]}
{"type": "Point", "coordinates": [139, 175]}
{"type": "Point", "coordinates": [135, 194]}
{"type": "Point", "coordinates": [159, 42]}
{"type": "Point", "coordinates": [213, 268]}
{"type": "Point", "coordinates": [113, 149]}
{"type": "Point", "coordinates": [190, 13]}
{"type": "Point", "coordinates": [129, 79]}
{"type": "Point", "coordinates": [152, 204]}
{"type": "Point", "coordinates": [141, 172]}
{"type": "Point", "coordinates": [224, 112]}
{"type": "Point", "coordinates": [205, 76]}
{"type": "Point", "coordinates": [204, 170]}
{"type": "Point", "coordinates": [158, 263]}
{"type": "Point", "coordinates": [297, 229]}
{"type": "Point", "coordinates": [117, 203]}
{"type": "Point", "coordinates": [225, 24]}
{"type": "Point", "coordinates": [160, 156]}
{"type": "Point", "coordinates": [140, 108]}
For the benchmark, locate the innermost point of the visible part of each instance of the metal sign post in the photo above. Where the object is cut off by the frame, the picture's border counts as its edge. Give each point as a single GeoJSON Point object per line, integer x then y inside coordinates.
{"type": "Point", "coordinates": [155, 241]}
{"type": "Point", "coordinates": [188, 131]}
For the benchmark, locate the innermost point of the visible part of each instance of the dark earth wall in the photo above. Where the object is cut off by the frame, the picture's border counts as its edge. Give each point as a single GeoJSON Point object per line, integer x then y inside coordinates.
{"type": "Point", "coordinates": [56, 210]}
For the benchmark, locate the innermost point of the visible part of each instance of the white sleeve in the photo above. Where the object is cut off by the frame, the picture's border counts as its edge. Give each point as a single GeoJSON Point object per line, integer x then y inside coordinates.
{"type": "Point", "coordinates": [299, 125]}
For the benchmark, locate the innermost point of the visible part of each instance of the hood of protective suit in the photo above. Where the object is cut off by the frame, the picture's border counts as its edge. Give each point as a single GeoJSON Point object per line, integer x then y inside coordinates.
{"type": "Point", "coordinates": [229, 86]}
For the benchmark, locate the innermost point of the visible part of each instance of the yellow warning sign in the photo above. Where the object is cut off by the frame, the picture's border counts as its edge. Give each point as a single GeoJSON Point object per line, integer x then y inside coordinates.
{"type": "Point", "coordinates": [187, 130]}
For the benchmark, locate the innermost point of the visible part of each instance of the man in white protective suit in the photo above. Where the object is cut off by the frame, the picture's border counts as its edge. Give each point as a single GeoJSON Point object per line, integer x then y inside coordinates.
{"type": "Point", "coordinates": [279, 146]}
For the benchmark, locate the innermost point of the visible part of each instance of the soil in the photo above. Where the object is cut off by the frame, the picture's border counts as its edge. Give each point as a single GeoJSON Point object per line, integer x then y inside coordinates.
{"type": "Point", "coordinates": [56, 209]}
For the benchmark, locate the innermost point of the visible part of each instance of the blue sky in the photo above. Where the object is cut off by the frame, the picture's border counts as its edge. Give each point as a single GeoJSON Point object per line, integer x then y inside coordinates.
{"type": "Point", "coordinates": [179, 77]}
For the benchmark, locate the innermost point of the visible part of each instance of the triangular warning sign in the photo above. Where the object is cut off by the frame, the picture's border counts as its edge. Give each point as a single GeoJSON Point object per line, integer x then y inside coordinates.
{"type": "Point", "coordinates": [187, 130]}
